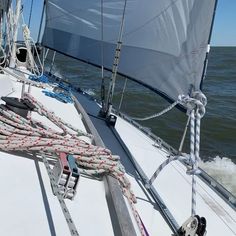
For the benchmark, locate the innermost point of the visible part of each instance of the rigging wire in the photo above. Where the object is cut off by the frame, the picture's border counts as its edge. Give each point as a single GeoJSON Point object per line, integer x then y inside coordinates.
{"type": "Point", "coordinates": [184, 135]}
{"type": "Point", "coordinates": [108, 105]}
{"type": "Point", "coordinates": [31, 8]}
{"type": "Point", "coordinates": [102, 58]}
{"type": "Point", "coordinates": [41, 21]}
{"type": "Point", "coordinates": [53, 60]}
{"type": "Point", "coordinates": [122, 95]}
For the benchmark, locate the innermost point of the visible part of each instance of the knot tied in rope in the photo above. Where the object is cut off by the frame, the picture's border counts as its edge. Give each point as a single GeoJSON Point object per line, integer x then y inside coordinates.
{"type": "Point", "coordinates": [197, 101]}
{"type": "Point", "coordinates": [196, 110]}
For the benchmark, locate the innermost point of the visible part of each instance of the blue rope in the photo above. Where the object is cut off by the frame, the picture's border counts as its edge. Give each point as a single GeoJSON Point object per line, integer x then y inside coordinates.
{"type": "Point", "coordinates": [59, 96]}
{"type": "Point", "coordinates": [65, 87]}
{"type": "Point", "coordinates": [42, 78]}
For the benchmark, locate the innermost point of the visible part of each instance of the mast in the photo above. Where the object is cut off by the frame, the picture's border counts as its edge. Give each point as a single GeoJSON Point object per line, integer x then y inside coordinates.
{"type": "Point", "coordinates": [15, 33]}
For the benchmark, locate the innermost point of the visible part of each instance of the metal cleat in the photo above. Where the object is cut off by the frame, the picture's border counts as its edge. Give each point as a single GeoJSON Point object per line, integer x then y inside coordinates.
{"type": "Point", "coordinates": [193, 226]}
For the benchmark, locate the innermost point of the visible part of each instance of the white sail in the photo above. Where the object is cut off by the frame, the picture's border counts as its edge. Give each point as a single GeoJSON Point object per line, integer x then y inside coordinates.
{"type": "Point", "coordinates": [164, 42]}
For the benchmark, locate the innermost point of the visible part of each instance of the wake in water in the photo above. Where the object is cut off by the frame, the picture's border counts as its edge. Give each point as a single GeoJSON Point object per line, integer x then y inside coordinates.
{"type": "Point", "coordinates": [223, 170]}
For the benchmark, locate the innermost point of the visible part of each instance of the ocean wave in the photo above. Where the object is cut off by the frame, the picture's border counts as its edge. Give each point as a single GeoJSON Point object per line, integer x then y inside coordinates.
{"type": "Point", "coordinates": [223, 170]}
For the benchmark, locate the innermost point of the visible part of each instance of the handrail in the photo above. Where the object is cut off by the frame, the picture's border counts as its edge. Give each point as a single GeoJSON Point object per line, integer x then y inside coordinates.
{"type": "Point", "coordinates": [120, 218]}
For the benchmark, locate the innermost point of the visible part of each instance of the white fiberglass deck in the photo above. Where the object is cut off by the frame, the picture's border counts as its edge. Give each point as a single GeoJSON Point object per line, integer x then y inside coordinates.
{"type": "Point", "coordinates": [174, 187]}
{"type": "Point", "coordinates": [28, 206]}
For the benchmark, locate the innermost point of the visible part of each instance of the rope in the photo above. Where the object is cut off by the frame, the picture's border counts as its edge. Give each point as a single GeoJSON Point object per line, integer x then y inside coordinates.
{"type": "Point", "coordinates": [62, 97]}
{"type": "Point", "coordinates": [193, 160]}
{"type": "Point", "coordinates": [9, 30]}
{"type": "Point", "coordinates": [18, 133]}
{"type": "Point", "coordinates": [157, 114]}
{"type": "Point", "coordinates": [15, 32]}
{"type": "Point", "coordinates": [28, 40]}
{"type": "Point", "coordinates": [40, 79]}
{"type": "Point", "coordinates": [196, 110]}
{"type": "Point", "coordinates": [3, 57]}
{"type": "Point", "coordinates": [184, 134]}
{"type": "Point", "coordinates": [161, 167]}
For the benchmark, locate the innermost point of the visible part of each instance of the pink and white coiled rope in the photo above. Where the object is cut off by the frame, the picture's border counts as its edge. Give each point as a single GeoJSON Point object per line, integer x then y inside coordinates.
{"type": "Point", "coordinates": [18, 133]}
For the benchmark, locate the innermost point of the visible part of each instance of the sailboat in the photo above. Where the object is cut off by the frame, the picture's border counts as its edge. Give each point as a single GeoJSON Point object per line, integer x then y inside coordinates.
{"type": "Point", "coordinates": [71, 165]}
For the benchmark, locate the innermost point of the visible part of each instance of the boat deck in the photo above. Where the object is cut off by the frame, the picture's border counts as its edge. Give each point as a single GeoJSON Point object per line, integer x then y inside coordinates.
{"type": "Point", "coordinates": [28, 206]}
{"type": "Point", "coordinates": [173, 184]}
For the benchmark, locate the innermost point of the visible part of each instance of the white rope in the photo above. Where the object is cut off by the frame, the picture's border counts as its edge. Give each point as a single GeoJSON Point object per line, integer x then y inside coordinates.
{"type": "Point", "coordinates": [15, 33]}
{"type": "Point", "coordinates": [28, 40]}
{"type": "Point", "coordinates": [157, 114]}
{"type": "Point", "coordinates": [9, 30]}
{"type": "Point", "coordinates": [184, 135]}
{"type": "Point", "coordinates": [162, 166]}
{"type": "Point", "coordinates": [193, 160]}
{"type": "Point", "coordinates": [196, 110]}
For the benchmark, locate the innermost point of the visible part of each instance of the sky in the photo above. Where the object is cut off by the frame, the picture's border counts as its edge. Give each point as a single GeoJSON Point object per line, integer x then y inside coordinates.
{"type": "Point", "coordinates": [224, 28]}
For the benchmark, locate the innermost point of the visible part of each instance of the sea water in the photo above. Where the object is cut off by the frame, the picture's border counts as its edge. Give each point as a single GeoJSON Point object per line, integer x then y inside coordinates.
{"type": "Point", "coordinates": [218, 127]}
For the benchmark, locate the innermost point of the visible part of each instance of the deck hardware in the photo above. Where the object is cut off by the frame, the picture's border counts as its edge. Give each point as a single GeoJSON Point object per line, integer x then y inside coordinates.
{"type": "Point", "coordinates": [19, 106]}
{"type": "Point", "coordinates": [111, 120]}
{"type": "Point", "coordinates": [57, 192]}
{"type": "Point", "coordinates": [62, 173]}
{"type": "Point", "coordinates": [193, 226]}
{"type": "Point", "coordinates": [66, 175]}
{"type": "Point", "coordinates": [74, 178]}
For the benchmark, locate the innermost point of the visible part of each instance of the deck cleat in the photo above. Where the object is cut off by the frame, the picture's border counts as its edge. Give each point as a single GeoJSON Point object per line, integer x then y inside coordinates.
{"type": "Point", "coordinates": [193, 226]}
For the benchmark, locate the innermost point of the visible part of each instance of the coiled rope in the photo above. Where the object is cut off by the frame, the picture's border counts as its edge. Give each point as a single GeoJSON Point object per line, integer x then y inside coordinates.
{"type": "Point", "coordinates": [18, 133]}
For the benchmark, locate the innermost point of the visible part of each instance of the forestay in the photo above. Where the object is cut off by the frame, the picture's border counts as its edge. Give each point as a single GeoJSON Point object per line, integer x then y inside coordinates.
{"type": "Point", "coordinates": [164, 42]}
